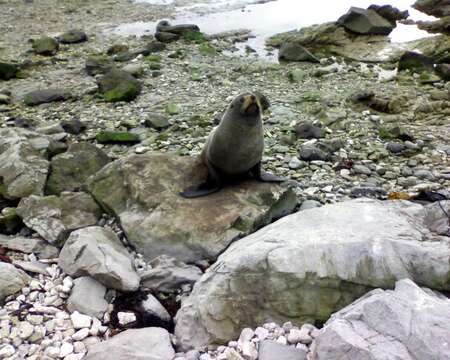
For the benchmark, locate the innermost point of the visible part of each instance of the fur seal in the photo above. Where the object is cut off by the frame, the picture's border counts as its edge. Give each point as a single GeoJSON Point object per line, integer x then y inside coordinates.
{"type": "Point", "coordinates": [234, 149]}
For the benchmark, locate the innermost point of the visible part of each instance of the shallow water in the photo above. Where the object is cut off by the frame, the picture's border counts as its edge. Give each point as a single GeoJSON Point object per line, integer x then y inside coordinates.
{"type": "Point", "coordinates": [266, 18]}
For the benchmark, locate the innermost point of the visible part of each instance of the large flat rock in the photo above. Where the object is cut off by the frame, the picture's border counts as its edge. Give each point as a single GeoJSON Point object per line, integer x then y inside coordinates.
{"type": "Point", "coordinates": [310, 264]}
{"type": "Point", "coordinates": [23, 163]}
{"type": "Point", "coordinates": [408, 323]}
{"type": "Point", "coordinates": [143, 192]}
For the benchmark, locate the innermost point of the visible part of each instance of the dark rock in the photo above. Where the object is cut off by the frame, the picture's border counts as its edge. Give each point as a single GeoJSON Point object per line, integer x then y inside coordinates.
{"type": "Point", "coordinates": [157, 121]}
{"type": "Point", "coordinates": [365, 22]}
{"type": "Point", "coordinates": [395, 148]}
{"type": "Point", "coordinates": [166, 37]}
{"type": "Point", "coordinates": [312, 152]}
{"type": "Point", "coordinates": [8, 70]}
{"type": "Point", "coordinates": [73, 126]}
{"type": "Point", "coordinates": [443, 70]}
{"type": "Point", "coordinates": [437, 26]}
{"type": "Point", "coordinates": [124, 56]}
{"type": "Point", "coordinates": [104, 137]}
{"type": "Point", "coordinates": [70, 170]}
{"type": "Point", "coordinates": [72, 37]}
{"type": "Point", "coordinates": [307, 130]}
{"type": "Point", "coordinates": [368, 191]}
{"type": "Point", "coordinates": [390, 13]}
{"type": "Point", "coordinates": [295, 52]}
{"type": "Point", "coordinates": [270, 350]}
{"type": "Point", "coordinates": [117, 49]}
{"type": "Point", "coordinates": [10, 222]}
{"type": "Point", "coordinates": [119, 85]}
{"type": "Point", "coordinates": [38, 97]}
{"type": "Point", "coordinates": [45, 46]}
{"type": "Point", "coordinates": [20, 122]}
{"type": "Point", "coordinates": [98, 64]}
{"type": "Point", "coordinates": [56, 148]}
{"type": "Point", "coordinates": [152, 47]}
{"type": "Point", "coordinates": [164, 26]}
{"type": "Point", "coordinates": [437, 8]}
{"type": "Point", "coordinates": [416, 62]}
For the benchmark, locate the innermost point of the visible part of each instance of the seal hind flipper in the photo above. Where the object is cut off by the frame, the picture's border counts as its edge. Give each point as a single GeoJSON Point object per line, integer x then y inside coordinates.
{"type": "Point", "coordinates": [263, 176]}
{"type": "Point", "coordinates": [210, 186]}
{"type": "Point", "coordinates": [201, 190]}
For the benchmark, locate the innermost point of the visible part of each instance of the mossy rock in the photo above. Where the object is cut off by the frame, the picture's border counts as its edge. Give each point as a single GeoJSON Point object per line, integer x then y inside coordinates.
{"type": "Point", "coordinates": [119, 85]}
{"type": "Point", "coordinates": [194, 36]}
{"type": "Point", "coordinates": [45, 46]}
{"type": "Point", "coordinates": [98, 64]}
{"type": "Point", "coordinates": [10, 222]}
{"type": "Point", "coordinates": [117, 137]}
{"type": "Point", "coordinates": [154, 58]}
{"type": "Point", "coordinates": [117, 49]}
{"type": "Point", "coordinates": [207, 49]}
{"type": "Point", "coordinates": [173, 109]}
{"type": "Point", "coordinates": [70, 170]}
{"type": "Point", "coordinates": [8, 70]}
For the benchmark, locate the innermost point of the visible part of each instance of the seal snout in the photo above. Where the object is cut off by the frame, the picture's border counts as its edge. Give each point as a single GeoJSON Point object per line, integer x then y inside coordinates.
{"type": "Point", "coordinates": [250, 105]}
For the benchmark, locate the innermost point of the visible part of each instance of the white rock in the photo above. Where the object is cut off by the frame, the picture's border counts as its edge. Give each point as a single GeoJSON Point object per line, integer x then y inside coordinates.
{"type": "Point", "coordinates": [52, 351]}
{"type": "Point", "coordinates": [81, 334]}
{"type": "Point", "coordinates": [80, 321]}
{"type": "Point", "coordinates": [35, 319]}
{"type": "Point", "coordinates": [78, 347]}
{"type": "Point", "coordinates": [126, 318]}
{"type": "Point", "coordinates": [25, 330]}
{"type": "Point", "coordinates": [7, 351]}
{"type": "Point", "coordinates": [66, 349]}
{"type": "Point", "coordinates": [249, 351]}
{"type": "Point", "coordinates": [74, 357]}
{"type": "Point", "coordinates": [261, 333]}
{"type": "Point", "coordinates": [282, 340]}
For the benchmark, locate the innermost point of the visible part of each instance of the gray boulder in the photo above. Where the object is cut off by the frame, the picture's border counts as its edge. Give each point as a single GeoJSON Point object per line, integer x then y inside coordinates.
{"type": "Point", "coordinates": [54, 217]}
{"type": "Point", "coordinates": [70, 170]}
{"type": "Point", "coordinates": [270, 350]}
{"type": "Point", "coordinates": [143, 192]}
{"type": "Point", "coordinates": [88, 297]}
{"type": "Point", "coordinates": [38, 247]}
{"type": "Point", "coordinates": [12, 280]}
{"type": "Point", "coordinates": [365, 22]}
{"type": "Point", "coordinates": [310, 264]}
{"type": "Point", "coordinates": [295, 52]}
{"type": "Point", "coordinates": [38, 97]}
{"type": "Point", "coordinates": [97, 252]}
{"type": "Point", "coordinates": [169, 274]}
{"type": "Point", "coordinates": [137, 344]}
{"type": "Point", "coordinates": [23, 164]}
{"type": "Point", "coordinates": [408, 323]}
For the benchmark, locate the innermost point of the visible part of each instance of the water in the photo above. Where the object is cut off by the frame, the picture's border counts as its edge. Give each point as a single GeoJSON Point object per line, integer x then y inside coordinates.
{"type": "Point", "coordinates": [265, 19]}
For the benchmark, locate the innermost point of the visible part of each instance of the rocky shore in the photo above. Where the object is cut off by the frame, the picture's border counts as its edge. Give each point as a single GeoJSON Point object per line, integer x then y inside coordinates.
{"type": "Point", "coordinates": [99, 255]}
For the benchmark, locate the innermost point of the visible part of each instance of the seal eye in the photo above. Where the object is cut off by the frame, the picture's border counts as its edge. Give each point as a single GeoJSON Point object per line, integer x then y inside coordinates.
{"type": "Point", "coordinates": [241, 100]}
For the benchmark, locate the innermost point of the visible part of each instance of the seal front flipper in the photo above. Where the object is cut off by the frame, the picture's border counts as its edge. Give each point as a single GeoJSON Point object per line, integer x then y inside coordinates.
{"type": "Point", "coordinates": [263, 176]}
